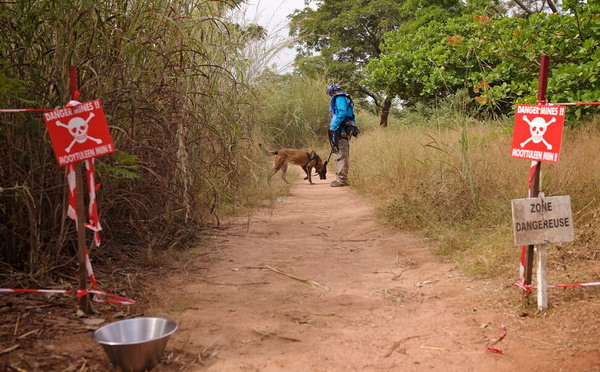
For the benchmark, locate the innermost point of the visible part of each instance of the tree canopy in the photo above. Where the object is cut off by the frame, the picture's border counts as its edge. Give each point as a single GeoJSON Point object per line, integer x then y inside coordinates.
{"type": "Point", "coordinates": [420, 51]}
{"type": "Point", "coordinates": [341, 37]}
{"type": "Point", "coordinates": [496, 59]}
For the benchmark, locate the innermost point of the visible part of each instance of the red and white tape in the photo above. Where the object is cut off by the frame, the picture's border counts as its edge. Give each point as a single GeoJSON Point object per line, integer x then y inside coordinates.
{"type": "Point", "coordinates": [577, 104]}
{"type": "Point", "coordinates": [118, 300]}
{"type": "Point", "coordinates": [532, 287]}
{"type": "Point", "coordinates": [72, 210]}
{"type": "Point", "coordinates": [93, 224]}
{"type": "Point", "coordinates": [25, 110]}
{"type": "Point", "coordinates": [94, 221]}
{"type": "Point", "coordinates": [489, 348]}
{"type": "Point", "coordinates": [521, 283]}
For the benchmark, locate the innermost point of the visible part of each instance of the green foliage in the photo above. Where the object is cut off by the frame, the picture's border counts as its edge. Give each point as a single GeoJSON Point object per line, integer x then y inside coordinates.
{"type": "Point", "coordinates": [341, 37]}
{"type": "Point", "coordinates": [123, 165]}
{"type": "Point", "coordinates": [346, 34]}
{"type": "Point", "coordinates": [496, 59]}
{"type": "Point", "coordinates": [9, 85]}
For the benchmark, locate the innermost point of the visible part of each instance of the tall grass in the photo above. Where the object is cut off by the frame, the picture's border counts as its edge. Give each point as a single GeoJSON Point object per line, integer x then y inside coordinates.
{"type": "Point", "coordinates": [170, 76]}
{"type": "Point", "coordinates": [294, 111]}
{"type": "Point", "coordinates": [452, 178]}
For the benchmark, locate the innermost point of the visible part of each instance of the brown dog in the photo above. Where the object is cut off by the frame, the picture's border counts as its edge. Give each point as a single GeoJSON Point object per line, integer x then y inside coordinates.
{"type": "Point", "coordinates": [307, 160]}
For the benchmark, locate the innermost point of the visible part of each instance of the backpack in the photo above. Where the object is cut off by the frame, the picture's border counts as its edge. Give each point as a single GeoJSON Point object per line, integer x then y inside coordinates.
{"type": "Point", "coordinates": [348, 125]}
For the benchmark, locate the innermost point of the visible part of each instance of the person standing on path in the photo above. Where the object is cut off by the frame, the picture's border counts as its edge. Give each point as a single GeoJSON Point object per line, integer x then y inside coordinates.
{"type": "Point", "coordinates": [342, 111]}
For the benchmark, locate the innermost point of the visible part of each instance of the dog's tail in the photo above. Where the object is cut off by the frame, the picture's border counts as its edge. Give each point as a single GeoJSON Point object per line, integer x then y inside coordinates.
{"type": "Point", "coordinates": [267, 152]}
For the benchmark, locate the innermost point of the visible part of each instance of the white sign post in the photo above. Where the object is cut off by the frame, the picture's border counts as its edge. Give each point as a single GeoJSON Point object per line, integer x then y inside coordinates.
{"type": "Point", "coordinates": [540, 221]}
{"type": "Point", "coordinates": [542, 293]}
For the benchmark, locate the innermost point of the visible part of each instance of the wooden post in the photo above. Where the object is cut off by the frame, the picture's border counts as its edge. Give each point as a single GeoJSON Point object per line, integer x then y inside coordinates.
{"type": "Point", "coordinates": [81, 271]}
{"type": "Point", "coordinates": [543, 84]}
{"type": "Point", "coordinates": [535, 182]}
{"type": "Point", "coordinates": [533, 193]}
{"type": "Point", "coordinates": [81, 255]}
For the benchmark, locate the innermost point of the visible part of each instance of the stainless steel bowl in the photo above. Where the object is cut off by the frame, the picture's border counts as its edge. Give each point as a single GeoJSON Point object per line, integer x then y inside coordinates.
{"type": "Point", "coordinates": [135, 344]}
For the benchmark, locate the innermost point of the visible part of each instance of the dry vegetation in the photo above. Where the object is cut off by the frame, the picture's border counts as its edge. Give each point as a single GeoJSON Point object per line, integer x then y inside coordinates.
{"type": "Point", "coordinates": [186, 125]}
{"type": "Point", "coordinates": [453, 179]}
{"type": "Point", "coordinates": [170, 76]}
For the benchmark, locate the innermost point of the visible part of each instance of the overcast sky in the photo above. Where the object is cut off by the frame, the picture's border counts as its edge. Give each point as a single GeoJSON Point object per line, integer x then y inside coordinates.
{"type": "Point", "coordinates": [271, 14]}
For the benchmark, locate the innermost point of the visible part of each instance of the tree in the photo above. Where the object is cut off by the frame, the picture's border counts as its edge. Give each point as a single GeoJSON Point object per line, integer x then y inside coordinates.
{"type": "Point", "coordinates": [535, 6]}
{"type": "Point", "coordinates": [496, 59]}
{"type": "Point", "coordinates": [341, 37]}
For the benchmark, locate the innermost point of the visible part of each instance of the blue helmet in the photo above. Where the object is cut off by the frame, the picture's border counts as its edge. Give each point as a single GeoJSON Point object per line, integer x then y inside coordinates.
{"type": "Point", "coordinates": [333, 88]}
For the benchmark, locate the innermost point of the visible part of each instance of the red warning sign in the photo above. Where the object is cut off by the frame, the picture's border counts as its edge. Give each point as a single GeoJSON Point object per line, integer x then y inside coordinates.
{"type": "Point", "coordinates": [538, 132]}
{"type": "Point", "coordinates": [79, 132]}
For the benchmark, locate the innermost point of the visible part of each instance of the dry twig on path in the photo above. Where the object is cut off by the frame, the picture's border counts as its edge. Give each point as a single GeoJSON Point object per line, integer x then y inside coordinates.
{"type": "Point", "coordinates": [353, 239]}
{"type": "Point", "coordinates": [434, 348]}
{"type": "Point", "coordinates": [307, 281]}
{"type": "Point", "coordinates": [264, 335]}
{"type": "Point", "coordinates": [203, 352]}
{"type": "Point", "coordinates": [397, 343]}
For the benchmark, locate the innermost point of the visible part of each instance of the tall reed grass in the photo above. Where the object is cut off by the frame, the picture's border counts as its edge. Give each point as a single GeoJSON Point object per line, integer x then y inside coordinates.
{"type": "Point", "coordinates": [294, 111]}
{"type": "Point", "coordinates": [170, 76]}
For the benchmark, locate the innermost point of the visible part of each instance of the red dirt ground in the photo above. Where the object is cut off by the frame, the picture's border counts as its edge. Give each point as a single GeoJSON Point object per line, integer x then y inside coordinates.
{"type": "Point", "coordinates": [315, 284]}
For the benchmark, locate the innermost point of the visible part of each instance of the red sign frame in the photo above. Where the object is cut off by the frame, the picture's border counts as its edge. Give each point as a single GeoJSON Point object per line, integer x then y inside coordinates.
{"type": "Point", "coordinates": [79, 132]}
{"type": "Point", "coordinates": [537, 133]}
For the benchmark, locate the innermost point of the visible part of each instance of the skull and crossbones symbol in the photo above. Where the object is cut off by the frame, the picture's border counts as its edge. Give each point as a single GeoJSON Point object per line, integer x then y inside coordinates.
{"type": "Point", "coordinates": [78, 128]}
{"type": "Point", "coordinates": [537, 128]}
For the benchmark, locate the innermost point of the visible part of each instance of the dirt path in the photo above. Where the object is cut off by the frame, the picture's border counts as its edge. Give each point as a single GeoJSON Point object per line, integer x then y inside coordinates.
{"type": "Point", "coordinates": [317, 285]}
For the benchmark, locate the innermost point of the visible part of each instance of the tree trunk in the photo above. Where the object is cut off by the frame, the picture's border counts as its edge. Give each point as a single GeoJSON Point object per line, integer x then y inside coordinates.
{"type": "Point", "coordinates": [524, 7]}
{"type": "Point", "coordinates": [385, 112]}
{"type": "Point", "coordinates": [552, 6]}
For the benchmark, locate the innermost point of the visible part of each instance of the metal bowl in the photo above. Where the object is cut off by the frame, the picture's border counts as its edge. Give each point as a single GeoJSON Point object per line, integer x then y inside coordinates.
{"type": "Point", "coordinates": [135, 344]}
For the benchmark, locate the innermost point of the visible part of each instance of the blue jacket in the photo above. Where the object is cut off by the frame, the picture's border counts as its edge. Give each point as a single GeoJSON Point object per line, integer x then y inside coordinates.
{"type": "Point", "coordinates": [341, 110]}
